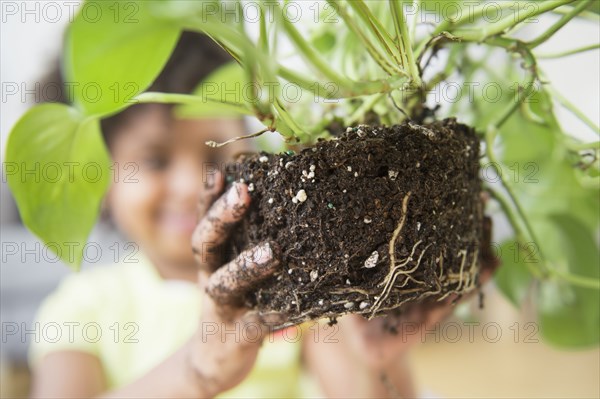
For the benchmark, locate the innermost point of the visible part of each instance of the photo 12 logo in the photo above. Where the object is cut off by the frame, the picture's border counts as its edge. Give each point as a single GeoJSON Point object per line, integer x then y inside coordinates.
{"type": "Point", "coordinates": [66, 11]}
{"type": "Point", "coordinates": [52, 252]}
{"type": "Point", "coordinates": [91, 92]}
{"type": "Point", "coordinates": [70, 332]}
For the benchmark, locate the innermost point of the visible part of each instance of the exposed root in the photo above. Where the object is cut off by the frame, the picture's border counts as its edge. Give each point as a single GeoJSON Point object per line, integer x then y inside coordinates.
{"type": "Point", "coordinates": [392, 254]}
{"type": "Point", "coordinates": [466, 280]}
{"type": "Point", "coordinates": [387, 281]}
{"type": "Point", "coordinates": [396, 267]}
{"type": "Point", "coordinates": [214, 144]}
{"type": "Point", "coordinates": [392, 248]}
{"type": "Point", "coordinates": [391, 277]}
{"type": "Point", "coordinates": [462, 252]}
{"type": "Point", "coordinates": [471, 280]}
{"type": "Point", "coordinates": [409, 272]}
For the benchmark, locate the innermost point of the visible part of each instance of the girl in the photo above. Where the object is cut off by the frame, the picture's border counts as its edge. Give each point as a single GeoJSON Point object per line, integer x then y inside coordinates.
{"type": "Point", "coordinates": [146, 329]}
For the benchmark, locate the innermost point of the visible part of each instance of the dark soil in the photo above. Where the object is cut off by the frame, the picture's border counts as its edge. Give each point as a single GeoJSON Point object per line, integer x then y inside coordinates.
{"type": "Point", "coordinates": [390, 216]}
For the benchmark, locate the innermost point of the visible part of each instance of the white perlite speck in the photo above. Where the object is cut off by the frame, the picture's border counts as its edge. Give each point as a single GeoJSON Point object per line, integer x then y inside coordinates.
{"type": "Point", "coordinates": [301, 196]}
{"type": "Point", "coordinates": [392, 174]}
{"type": "Point", "coordinates": [321, 302]}
{"type": "Point", "coordinates": [270, 201]}
{"type": "Point", "coordinates": [251, 187]}
{"type": "Point", "coordinates": [313, 275]}
{"type": "Point", "coordinates": [349, 168]}
{"type": "Point", "coordinates": [349, 305]}
{"type": "Point", "coordinates": [372, 260]}
{"type": "Point", "coordinates": [264, 159]}
{"type": "Point", "coordinates": [310, 174]}
{"type": "Point", "coordinates": [363, 305]}
{"type": "Point", "coordinates": [367, 220]}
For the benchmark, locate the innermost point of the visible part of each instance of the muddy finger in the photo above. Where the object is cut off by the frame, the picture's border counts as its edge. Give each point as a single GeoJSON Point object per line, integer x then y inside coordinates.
{"type": "Point", "coordinates": [213, 187]}
{"type": "Point", "coordinates": [215, 227]}
{"type": "Point", "coordinates": [230, 282]}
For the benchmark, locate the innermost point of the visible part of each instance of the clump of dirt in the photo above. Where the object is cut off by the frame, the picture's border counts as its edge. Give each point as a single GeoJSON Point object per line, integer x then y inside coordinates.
{"type": "Point", "coordinates": [369, 221]}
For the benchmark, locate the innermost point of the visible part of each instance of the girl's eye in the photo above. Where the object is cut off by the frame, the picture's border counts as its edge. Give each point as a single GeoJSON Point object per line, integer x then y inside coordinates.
{"type": "Point", "coordinates": [156, 162]}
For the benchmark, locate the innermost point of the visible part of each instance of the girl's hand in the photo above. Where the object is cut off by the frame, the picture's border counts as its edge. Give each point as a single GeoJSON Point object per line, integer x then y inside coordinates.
{"type": "Point", "coordinates": [375, 346]}
{"type": "Point", "coordinates": [226, 344]}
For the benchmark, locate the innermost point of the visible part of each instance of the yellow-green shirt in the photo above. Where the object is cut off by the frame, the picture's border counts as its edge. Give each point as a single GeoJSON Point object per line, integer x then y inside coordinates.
{"type": "Point", "coordinates": [132, 319]}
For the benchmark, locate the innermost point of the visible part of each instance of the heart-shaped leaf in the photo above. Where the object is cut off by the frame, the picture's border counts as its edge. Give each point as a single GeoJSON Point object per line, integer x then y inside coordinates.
{"type": "Point", "coordinates": [57, 167]}
{"type": "Point", "coordinates": [115, 49]}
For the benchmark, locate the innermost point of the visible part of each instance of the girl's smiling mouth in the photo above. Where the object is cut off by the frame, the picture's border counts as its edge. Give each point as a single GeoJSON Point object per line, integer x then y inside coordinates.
{"type": "Point", "coordinates": [177, 222]}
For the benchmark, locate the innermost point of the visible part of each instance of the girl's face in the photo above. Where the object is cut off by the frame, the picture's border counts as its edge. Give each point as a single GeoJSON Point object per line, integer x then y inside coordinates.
{"type": "Point", "coordinates": [162, 168]}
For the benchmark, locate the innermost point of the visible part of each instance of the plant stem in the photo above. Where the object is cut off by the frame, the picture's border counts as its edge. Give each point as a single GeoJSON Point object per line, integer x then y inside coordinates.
{"type": "Point", "coordinates": [545, 271]}
{"type": "Point", "coordinates": [171, 98]}
{"type": "Point", "coordinates": [581, 5]}
{"type": "Point", "coordinates": [581, 281]}
{"type": "Point", "coordinates": [367, 105]}
{"type": "Point", "coordinates": [584, 146]}
{"type": "Point", "coordinates": [415, 19]}
{"type": "Point", "coordinates": [518, 47]}
{"type": "Point", "coordinates": [504, 24]}
{"type": "Point", "coordinates": [377, 29]}
{"type": "Point", "coordinates": [379, 58]}
{"type": "Point", "coordinates": [500, 26]}
{"type": "Point", "coordinates": [263, 37]}
{"type": "Point", "coordinates": [358, 88]}
{"type": "Point", "coordinates": [569, 52]}
{"type": "Point", "coordinates": [574, 110]}
{"type": "Point", "coordinates": [490, 137]}
{"type": "Point", "coordinates": [287, 118]}
{"type": "Point", "coordinates": [585, 14]}
{"type": "Point", "coordinates": [513, 220]}
{"type": "Point", "coordinates": [309, 53]}
{"type": "Point", "coordinates": [404, 43]}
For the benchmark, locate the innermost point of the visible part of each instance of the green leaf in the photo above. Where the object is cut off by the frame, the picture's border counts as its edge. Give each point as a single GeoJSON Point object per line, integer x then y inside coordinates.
{"type": "Point", "coordinates": [513, 277]}
{"type": "Point", "coordinates": [57, 167]}
{"type": "Point", "coordinates": [115, 49]}
{"type": "Point", "coordinates": [594, 7]}
{"type": "Point", "coordinates": [324, 42]}
{"type": "Point", "coordinates": [570, 315]}
{"type": "Point", "coordinates": [524, 139]}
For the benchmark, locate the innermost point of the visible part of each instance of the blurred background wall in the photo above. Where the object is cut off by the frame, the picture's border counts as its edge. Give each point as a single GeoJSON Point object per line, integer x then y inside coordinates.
{"type": "Point", "coordinates": [461, 359]}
